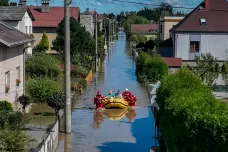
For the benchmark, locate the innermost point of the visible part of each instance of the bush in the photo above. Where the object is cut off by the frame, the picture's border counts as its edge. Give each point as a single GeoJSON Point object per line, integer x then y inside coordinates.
{"type": "Point", "coordinates": [10, 118]}
{"type": "Point", "coordinates": [24, 101]}
{"type": "Point", "coordinates": [5, 105]}
{"type": "Point", "coordinates": [40, 89]}
{"type": "Point", "coordinates": [190, 114]}
{"type": "Point", "coordinates": [80, 72]}
{"type": "Point", "coordinates": [56, 101]}
{"type": "Point", "coordinates": [43, 65]}
{"type": "Point", "coordinates": [43, 45]}
{"type": "Point", "coordinates": [151, 67]}
{"type": "Point", "coordinates": [140, 45]}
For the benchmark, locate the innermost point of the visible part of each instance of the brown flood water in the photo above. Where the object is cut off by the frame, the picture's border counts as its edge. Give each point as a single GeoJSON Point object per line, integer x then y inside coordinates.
{"type": "Point", "coordinates": [112, 130]}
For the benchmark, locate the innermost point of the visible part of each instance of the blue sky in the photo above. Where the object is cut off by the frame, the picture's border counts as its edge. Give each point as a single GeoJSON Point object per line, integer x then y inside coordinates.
{"type": "Point", "coordinates": [107, 6]}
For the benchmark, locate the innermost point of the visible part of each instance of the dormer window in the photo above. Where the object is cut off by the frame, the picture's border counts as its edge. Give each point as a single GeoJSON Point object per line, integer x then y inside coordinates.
{"type": "Point", "coordinates": [203, 21]}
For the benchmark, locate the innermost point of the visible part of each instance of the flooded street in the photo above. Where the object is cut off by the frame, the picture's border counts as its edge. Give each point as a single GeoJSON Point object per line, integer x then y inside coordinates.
{"type": "Point", "coordinates": [112, 130]}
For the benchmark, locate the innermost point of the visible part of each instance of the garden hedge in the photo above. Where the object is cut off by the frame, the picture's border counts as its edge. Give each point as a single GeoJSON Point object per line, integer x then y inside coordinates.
{"type": "Point", "coordinates": [191, 118]}
{"type": "Point", "coordinates": [150, 67]}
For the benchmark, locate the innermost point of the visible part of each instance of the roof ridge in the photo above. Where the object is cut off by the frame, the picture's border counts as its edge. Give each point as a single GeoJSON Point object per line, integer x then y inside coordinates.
{"type": "Point", "coordinates": [185, 18]}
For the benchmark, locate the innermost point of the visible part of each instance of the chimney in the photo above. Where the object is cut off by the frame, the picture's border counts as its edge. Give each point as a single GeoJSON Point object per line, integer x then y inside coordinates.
{"type": "Point", "coordinates": [206, 3]}
{"type": "Point", "coordinates": [45, 6]}
{"type": "Point", "coordinates": [13, 4]}
{"type": "Point", "coordinates": [22, 3]}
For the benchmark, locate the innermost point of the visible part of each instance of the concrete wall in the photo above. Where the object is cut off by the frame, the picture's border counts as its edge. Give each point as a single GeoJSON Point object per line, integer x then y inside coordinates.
{"type": "Point", "coordinates": [87, 21]}
{"type": "Point", "coordinates": [10, 59]}
{"type": "Point", "coordinates": [51, 142]}
{"type": "Point", "coordinates": [167, 23]}
{"type": "Point", "coordinates": [213, 43]}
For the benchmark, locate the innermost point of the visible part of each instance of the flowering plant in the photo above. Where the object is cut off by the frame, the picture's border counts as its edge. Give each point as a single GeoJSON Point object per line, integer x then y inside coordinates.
{"type": "Point", "coordinates": [7, 88]}
{"type": "Point", "coordinates": [18, 81]}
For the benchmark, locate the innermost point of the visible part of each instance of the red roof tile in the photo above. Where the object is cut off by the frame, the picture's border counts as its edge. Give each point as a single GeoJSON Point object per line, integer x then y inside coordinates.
{"type": "Point", "coordinates": [72, 67]}
{"type": "Point", "coordinates": [173, 62]}
{"type": "Point", "coordinates": [52, 18]}
{"type": "Point", "coordinates": [215, 15]}
{"type": "Point", "coordinates": [143, 28]}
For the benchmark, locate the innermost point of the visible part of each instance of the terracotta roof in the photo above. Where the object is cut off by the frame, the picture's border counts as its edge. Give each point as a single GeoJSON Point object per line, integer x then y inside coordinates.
{"type": "Point", "coordinates": [72, 67]}
{"type": "Point", "coordinates": [173, 62]}
{"type": "Point", "coordinates": [143, 28]}
{"type": "Point", "coordinates": [215, 16]}
{"type": "Point", "coordinates": [52, 18]}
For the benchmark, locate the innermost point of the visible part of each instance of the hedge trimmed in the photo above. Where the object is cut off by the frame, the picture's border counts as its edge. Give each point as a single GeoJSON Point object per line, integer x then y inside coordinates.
{"type": "Point", "coordinates": [150, 67]}
{"type": "Point", "coordinates": [190, 117]}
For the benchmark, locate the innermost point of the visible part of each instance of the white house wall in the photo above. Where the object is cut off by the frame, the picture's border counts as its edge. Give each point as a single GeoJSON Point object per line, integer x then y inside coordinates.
{"type": "Point", "coordinates": [10, 59]}
{"type": "Point", "coordinates": [216, 44]}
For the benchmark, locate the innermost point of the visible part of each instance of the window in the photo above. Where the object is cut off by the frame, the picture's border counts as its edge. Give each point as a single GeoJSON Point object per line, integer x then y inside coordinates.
{"type": "Point", "coordinates": [18, 73]}
{"type": "Point", "coordinates": [203, 21]}
{"type": "Point", "coordinates": [7, 81]}
{"type": "Point", "coordinates": [30, 29]}
{"type": "Point", "coordinates": [160, 28]}
{"type": "Point", "coordinates": [26, 29]}
{"type": "Point", "coordinates": [194, 46]}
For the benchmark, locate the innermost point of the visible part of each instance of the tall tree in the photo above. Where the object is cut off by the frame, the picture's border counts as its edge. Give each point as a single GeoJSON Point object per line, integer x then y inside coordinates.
{"type": "Point", "coordinates": [4, 2]}
{"type": "Point", "coordinates": [81, 43]}
{"type": "Point", "coordinates": [207, 69]}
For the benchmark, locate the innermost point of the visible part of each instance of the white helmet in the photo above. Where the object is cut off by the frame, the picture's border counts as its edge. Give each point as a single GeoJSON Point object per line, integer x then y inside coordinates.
{"type": "Point", "coordinates": [126, 89]}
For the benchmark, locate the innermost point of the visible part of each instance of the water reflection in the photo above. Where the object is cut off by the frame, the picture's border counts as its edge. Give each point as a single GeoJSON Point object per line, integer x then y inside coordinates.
{"type": "Point", "coordinates": [113, 114]}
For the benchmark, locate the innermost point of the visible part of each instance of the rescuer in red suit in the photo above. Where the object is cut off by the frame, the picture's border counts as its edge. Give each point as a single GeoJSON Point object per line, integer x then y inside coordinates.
{"type": "Point", "coordinates": [131, 99]}
{"type": "Point", "coordinates": [126, 94]}
{"type": "Point", "coordinates": [98, 100]}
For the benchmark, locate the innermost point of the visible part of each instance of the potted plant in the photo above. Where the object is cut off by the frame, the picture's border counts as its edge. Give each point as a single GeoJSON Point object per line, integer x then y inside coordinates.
{"type": "Point", "coordinates": [18, 81]}
{"type": "Point", "coordinates": [7, 88]}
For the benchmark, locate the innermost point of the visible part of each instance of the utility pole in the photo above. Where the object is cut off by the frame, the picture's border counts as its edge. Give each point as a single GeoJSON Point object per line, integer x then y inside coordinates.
{"type": "Point", "coordinates": [96, 43]}
{"type": "Point", "coordinates": [109, 32]}
{"type": "Point", "coordinates": [67, 66]}
{"type": "Point", "coordinates": [105, 36]}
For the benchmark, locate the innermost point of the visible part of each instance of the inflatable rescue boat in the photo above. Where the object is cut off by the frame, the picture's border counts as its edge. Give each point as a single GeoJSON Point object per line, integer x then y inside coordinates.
{"type": "Point", "coordinates": [117, 103]}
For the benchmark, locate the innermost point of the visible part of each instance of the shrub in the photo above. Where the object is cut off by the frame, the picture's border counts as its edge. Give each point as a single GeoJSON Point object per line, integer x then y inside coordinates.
{"type": "Point", "coordinates": [10, 118]}
{"type": "Point", "coordinates": [190, 114]}
{"type": "Point", "coordinates": [151, 67]}
{"type": "Point", "coordinates": [24, 101]}
{"type": "Point", "coordinates": [43, 65]}
{"type": "Point", "coordinates": [43, 45]}
{"type": "Point", "coordinates": [40, 89]}
{"type": "Point", "coordinates": [80, 72]}
{"type": "Point", "coordinates": [140, 45]}
{"type": "Point", "coordinates": [56, 101]}
{"type": "Point", "coordinates": [5, 105]}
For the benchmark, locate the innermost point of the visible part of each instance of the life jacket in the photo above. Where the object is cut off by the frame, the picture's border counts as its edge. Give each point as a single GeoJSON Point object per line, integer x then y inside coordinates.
{"type": "Point", "coordinates": [99, 99]}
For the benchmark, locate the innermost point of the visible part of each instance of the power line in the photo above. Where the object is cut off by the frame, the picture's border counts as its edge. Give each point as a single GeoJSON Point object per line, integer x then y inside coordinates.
{"type": "Point", "coordinates": [149, 4]}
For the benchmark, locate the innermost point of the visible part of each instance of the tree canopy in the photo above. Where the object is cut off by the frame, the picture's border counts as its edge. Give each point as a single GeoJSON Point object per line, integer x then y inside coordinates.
{"type": "Point", "coordinates": [190, 114]}
{"type": "Point", "coordinates": [4, 2]}
{"type": "Point", "coordinates": [82, 45]}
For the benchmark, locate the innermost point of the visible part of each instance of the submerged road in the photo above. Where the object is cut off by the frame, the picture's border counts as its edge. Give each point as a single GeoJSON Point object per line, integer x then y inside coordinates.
{"type": "Point", "coordinates": [112, 130]}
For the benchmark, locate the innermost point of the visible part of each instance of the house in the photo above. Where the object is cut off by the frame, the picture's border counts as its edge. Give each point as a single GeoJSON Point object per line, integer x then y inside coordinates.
{"type": "Point", "coordinates": [47, 18]}
{"type": "Point", "coordinates": [148, 30]}
{"type": "Point", "coordinates": [19, 18]}
{"type": "Point", "coordinates": [12, 56]}
{"type": "Point", "coordinates": [203, 30]}
{"type": "Point", "coordinates": [173, 63]}
{"type": "Point", "coordinates": [88, 19]}
{"type": "Point", "coordinates": [165, 24]}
